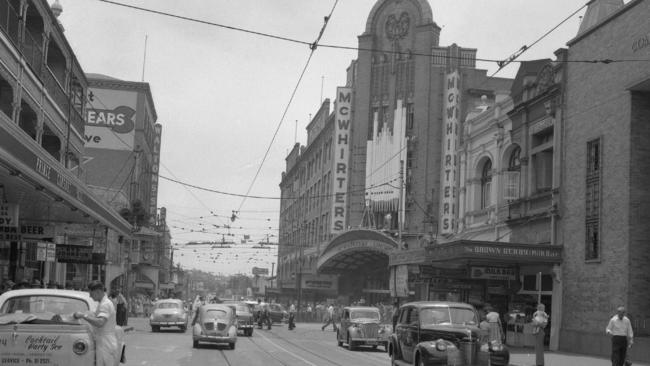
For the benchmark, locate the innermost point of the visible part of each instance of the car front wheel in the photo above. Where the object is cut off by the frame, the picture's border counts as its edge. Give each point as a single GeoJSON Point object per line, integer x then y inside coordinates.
{"type": "Point", "coordinates": [232, 345]}
{"type": "Point", "coordinates": [195, 344]}
{"type": "Point", "coordinates": [155, 328]}
{"type": "Point", "coordinates": [350, 345]}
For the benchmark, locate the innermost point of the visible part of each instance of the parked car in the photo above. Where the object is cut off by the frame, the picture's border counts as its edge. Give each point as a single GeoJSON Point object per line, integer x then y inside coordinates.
{"type": "Point", "coordinates": [244, 316]}
{"type": "Point", "coordinates": [361, 326]}
{"type": "Point", "coordinates": [442, 333]}
{"type": "Point", "coordinates": [214, 323]}
{"type": "Point", "coordinates": [41, 328]}
{"type": "Point", "coordinates": [168, 313]}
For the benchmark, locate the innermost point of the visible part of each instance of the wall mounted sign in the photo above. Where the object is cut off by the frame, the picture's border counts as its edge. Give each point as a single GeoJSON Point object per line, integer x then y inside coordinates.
{"type": "Point", "coordinates": [343, 110]}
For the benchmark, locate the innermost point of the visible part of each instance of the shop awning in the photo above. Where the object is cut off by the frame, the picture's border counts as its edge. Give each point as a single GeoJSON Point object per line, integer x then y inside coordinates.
{"type": "Point", "coordinates": [470, 251]}
{"type": "Point", "coordinates": [356, 249]}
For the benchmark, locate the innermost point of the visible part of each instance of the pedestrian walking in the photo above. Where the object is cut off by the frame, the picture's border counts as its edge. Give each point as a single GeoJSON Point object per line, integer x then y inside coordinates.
{"type": "Point", "coordinates": [103, 320]}
{"type": "Point", "coordinates": [329, 318]}
{"type": "Point", "coordinates": [620, 329]}
{"type": "Point", "coordinates": [395, 313]}
{"type": "Point", "coordinates": [540, 321]}
{"type": "Point", "coordinates": [494, 323]}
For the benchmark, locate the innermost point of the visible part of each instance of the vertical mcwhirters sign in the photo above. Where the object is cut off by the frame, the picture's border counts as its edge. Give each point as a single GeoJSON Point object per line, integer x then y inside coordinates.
{"type": "Point", "coordinates": [153, 204]}
{"type": "Point", "coordinates": [341, 159]}
{"type": "Point", "coordinates": [451, 121]}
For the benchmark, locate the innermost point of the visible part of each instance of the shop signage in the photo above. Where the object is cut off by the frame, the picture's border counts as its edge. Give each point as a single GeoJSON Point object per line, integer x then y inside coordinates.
{"type": "Point", "coordinates": [641, 42]}
{"type": "Point", "coordinates": [497, 251]}
{"type": "Point", "coordinates": [143, 284]}
{"type": "Point", "coordinates": [401, 281]}
{"type": "Point", "coordinates": [36, 231]}
{"type": "Point", "coordinates": [451, 121]}
{"type": "Point", "coordinates": [343, 109]}
{"type": "Point", "coordinates": [153, 203]}
{"type": "Point", "coordinates": [412, 256]}
{"type": "Point", "coordinates": [78, 254]}
{"type": "Point", "coordinates": [450, 283]}
{"type": "Point", "coordinates": [494, 273]}
{"type": "Point", "coordinates": [110, 129]}
{"type": "Point", "coordinates": [355, 245]}
{"type": "Point", "coordinates": [257, 271]}
{"type": "Point", "coordinates": [8, 215]}
{"type": "Point", "coordinates": [55, 175]}
{"type": "Point", "coordinates": [321, 282]}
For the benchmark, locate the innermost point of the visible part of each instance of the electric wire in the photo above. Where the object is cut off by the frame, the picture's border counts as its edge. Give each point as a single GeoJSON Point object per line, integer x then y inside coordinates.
{"type": "Point", "coordinates": [351, 48]}
{"type": "Point", "coordinates": [312, 47]}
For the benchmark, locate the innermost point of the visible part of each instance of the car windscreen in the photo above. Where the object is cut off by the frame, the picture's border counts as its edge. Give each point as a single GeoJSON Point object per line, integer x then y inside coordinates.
{"type": "Point", "coordinates": [216, 314]}
{"type": "Point", "coordinates": [447, 315]}
{"type": "Point", "coordinates": [364, 314]}
{"type": "Point", "coordinates": [43, 306]}
{"type": "Point", "coordinates": [168, 305]}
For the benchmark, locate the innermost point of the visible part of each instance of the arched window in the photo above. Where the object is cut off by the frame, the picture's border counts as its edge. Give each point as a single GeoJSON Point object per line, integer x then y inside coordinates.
{"type": "Point", "coordinates": [486, 184]}
{"type": "Point", "coordinates": [512, 176]}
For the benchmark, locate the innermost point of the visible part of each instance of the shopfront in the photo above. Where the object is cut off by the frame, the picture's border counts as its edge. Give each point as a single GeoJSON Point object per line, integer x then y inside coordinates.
{"type": "Point", "coordinates": [52, 229]}
{"type": "Point", "coordinates": [512, 278]}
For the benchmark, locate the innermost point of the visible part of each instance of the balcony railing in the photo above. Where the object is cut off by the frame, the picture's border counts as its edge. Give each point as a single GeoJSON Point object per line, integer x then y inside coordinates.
{"type": "Point", "coordinates": [10, 20]}
{"type": "Point", "coordinates": [31, 49]}
{"type": "Point", "coordinates": [56, 91]}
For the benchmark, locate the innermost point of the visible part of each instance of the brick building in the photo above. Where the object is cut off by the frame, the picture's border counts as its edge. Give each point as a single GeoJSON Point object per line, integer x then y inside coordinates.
{"type": "Point", "coordinates": [606, 171]}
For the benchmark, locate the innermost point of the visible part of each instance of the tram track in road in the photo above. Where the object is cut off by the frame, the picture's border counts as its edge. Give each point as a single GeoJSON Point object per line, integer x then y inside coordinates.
{"type": "Point", "coordinates": [267, 352]}
{"type": "Point", "coordinates": [223, 354]}
{"type": "Point", "coordinates": [305, 349]}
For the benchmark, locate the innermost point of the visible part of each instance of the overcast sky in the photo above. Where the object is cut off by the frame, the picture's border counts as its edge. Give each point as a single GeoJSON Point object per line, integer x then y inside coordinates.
{"type": "Point", "coordinates": [220, 94]}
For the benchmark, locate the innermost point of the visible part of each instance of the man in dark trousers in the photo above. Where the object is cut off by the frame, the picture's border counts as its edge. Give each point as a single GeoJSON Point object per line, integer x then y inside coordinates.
{"type": "Point", "coordinates": [620, 329]}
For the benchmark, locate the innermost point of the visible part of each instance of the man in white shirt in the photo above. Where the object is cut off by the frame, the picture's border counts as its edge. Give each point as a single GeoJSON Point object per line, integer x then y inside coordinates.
{"type": "Point", "coordinates": [103, 320]}
{"type": "Point", "coordinates": [329, 318]}
{"type": "Point", "coordinates": [620, 329]}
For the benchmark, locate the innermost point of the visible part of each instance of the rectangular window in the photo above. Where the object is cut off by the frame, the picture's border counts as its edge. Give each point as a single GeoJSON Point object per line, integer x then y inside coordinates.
{"type": "Point", "coordinates": [543, 166]}
{"type": "Point", "coordinates": [511, 186]}
{"type": "Point", "coordinates": [410, 116]}
{"type": "Point", "coordinates": [592, 201]}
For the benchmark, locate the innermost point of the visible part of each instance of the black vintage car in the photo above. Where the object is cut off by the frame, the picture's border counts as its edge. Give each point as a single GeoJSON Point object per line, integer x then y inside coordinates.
{"type": "Point", "coordinates": [442, 333]}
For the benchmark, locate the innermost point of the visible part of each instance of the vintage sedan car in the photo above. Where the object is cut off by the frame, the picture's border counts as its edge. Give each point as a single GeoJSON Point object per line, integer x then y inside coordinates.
{"type": "Point", "coordinates": [214, 323]}
{"type": "Point", "coordinates": [361, 326]}
{"type": "Point", "coordinates": [41, 329]}
{"type": "Point", "coordinates": [278, 313]}
{"type": "Point", "coordinates": [168, 313]}
{"type": "Point", "coordinates": [244, 316]}
{"type": "Point", "coordinates": [442, 333]}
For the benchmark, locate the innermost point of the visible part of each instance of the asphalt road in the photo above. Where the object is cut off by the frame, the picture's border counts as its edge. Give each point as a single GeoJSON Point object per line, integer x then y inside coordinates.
{"type": "Point", "coordinates": [307, 345]}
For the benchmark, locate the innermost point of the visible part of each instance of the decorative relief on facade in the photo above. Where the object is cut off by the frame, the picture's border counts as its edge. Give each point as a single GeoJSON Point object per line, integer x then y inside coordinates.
{"type": "Point", "coordinates": [397, 29]}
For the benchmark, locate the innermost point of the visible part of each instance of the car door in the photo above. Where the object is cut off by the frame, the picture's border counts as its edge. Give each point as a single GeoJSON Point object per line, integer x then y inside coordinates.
{"type": "Point", "coordinates": [411, 333]}
{"type": "Point", "coordinates": [345, 323]}
{"type": "Point", "coordinates": [401, 330]}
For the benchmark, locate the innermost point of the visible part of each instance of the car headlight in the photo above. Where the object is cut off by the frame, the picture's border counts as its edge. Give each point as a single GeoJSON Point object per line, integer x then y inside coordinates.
{"type": "Point", "coordinates": [441, 345]}
{"type": "Point", "coordinates": [80, 347]}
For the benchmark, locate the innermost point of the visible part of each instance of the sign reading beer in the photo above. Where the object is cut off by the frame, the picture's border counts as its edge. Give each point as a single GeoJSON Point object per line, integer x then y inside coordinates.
{"type": "Point", "coordinates": [451, 121]}
{"type": "Point", "coordinates": [341, 159]}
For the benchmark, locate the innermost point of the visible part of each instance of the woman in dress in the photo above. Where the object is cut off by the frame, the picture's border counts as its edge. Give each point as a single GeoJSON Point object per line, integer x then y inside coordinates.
{"type": "Point", "coordinates": [540, 320]}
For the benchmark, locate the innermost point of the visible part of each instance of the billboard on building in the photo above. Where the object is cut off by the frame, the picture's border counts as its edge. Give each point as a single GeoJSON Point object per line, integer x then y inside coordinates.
{"type": "Point", "coordinates": [110, 119]}
{"type": "Point", "coordinates": [385, 163]}
{"type": "Point", "coordinates": [342, 139]}
{"type": "Point", "coordinates": [451, 122]}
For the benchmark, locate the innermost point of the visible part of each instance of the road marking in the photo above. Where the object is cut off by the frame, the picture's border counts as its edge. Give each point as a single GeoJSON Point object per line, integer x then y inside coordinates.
{"type": "Point", "coordinates": [287, 351]}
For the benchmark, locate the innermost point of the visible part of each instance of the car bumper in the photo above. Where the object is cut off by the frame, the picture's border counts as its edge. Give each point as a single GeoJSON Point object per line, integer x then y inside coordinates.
{"type": "Point", "coordinates": [164, 323]}
{"type": "Point", "coordinates": [245, 326]}
{"type": "Point", "coordinates": [215, 339]}
{"type": "Point", "coordinates": [369, 341]}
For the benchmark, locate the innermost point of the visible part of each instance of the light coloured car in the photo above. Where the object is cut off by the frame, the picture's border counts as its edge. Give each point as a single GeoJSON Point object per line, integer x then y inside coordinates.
{"type": "Point", "coordinates": [168, 313]}
{"type": "Point", "coordinates": [214, 323]}
{"type": "Point", "coordinates": [361, 326]}
{"type": "Point", "coordinates": [37, 326]}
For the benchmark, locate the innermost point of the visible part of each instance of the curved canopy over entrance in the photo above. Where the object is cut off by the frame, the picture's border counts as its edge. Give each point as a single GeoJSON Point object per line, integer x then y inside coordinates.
{"type": "Point", "coordinates": [356, 249]}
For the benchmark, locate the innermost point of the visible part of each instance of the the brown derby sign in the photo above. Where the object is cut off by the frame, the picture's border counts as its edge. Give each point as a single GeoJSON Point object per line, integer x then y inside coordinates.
{"type": "Point", "coordinates": [120, 119]}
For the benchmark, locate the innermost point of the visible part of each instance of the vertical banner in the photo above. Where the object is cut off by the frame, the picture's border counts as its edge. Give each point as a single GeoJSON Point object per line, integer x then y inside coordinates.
{"type": "Point", "coordinates": [451, 121]}
{"type": "Point", "coordinates": [155, 164]}
{"type": "Point", "coordinates": [343, 107]}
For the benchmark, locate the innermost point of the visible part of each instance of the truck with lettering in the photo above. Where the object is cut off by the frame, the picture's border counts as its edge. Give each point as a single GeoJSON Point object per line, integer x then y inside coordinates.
{"type": "Point", "coordinates": [37, 327]}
